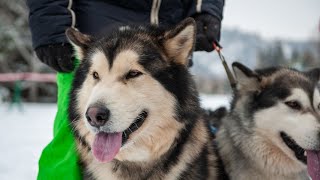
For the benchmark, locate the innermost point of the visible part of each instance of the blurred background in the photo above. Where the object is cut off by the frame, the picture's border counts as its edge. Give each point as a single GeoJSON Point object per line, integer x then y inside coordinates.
{"type": "Point", "coordinates": [256, 33]}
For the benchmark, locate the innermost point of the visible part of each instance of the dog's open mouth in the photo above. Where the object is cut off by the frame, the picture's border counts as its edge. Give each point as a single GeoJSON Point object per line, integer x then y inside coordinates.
{"type": "Point", "coordinates": [107, 145]}
{"type": "Point", "coordinates": [134, 126]}
{"type": "Point", "coordinates": [309, 157]}
{"type": "Point", "coordinates": [298, 151]}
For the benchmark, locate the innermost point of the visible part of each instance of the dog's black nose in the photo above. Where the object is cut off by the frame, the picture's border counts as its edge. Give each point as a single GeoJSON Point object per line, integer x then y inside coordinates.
{"type": "Point", "coordinates": [97, 116]}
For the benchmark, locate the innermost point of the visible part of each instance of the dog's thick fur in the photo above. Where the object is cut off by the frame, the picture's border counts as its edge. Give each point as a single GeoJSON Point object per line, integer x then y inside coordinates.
{"type": "Point", "coordinates": [141, 69]}
{"type": "Point", "coordinates": [268, 105]}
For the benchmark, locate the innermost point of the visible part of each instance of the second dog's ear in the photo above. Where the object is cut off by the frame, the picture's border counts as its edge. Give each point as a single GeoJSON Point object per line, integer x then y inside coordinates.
{"type": "Point", "coordinates": [79, 41]}
{"type": "Point", "coordinates": [179, 41]}
{"type": "Point", "coordinates": [247, 80]}
{"type": "Point", "coordinates": [314, 75]}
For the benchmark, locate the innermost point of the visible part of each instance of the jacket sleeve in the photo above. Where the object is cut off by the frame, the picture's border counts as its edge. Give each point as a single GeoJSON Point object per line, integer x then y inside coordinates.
{"type": "Point", "coordinates": [48, 20]}
{"type": "Point", "coordinates": [213, 7]}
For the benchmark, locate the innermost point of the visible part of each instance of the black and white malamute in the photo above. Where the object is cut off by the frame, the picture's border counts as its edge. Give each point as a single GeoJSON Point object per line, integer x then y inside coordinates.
{"type": "Point", "coordinates": [273, 129]}
{"type": "Point", "coordinates": [134, 107]}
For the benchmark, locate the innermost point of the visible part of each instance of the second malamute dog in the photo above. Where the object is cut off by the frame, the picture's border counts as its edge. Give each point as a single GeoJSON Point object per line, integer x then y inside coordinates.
{"type": "Point", "coordinates": [273, 129]}
{"type": "Point", "coordinates": [134, 107]}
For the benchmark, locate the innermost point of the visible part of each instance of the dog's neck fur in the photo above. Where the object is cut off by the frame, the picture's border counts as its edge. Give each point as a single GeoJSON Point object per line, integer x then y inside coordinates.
{"type": "Point", "coordinates": [243, 159]}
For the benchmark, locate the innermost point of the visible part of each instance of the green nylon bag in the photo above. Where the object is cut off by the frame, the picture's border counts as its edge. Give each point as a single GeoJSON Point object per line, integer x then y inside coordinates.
{"type": "Point", "coordinates": [59, 159]}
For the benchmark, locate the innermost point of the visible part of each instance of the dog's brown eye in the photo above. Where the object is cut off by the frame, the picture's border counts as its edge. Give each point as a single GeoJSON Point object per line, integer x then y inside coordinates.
{"type": "Point", "coordinates": [318, 106]}
{"type": "Point", "coordinates": [95, 75]}
{"type": "Point", "coordinates": [133, 74]}
{"type": "Point", "coordinates": [294, 105]}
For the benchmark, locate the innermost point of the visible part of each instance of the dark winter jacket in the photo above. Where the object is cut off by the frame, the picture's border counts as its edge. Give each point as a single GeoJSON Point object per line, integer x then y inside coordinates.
{"type": "Point", "coordinates": [50, 18]}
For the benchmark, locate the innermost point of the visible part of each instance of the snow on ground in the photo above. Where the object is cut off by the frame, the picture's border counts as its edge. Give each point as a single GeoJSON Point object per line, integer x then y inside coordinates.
{"type": "Point", "coordinates": [215, 101]}
{"type": "Point", "coordinates": [23, 135]}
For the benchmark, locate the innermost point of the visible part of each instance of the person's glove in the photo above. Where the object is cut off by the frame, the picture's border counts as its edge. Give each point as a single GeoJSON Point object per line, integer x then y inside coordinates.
{"type": "Point", "coordinates": [208, 31]}
{"type": "Point", "coordinates": [57, 56]}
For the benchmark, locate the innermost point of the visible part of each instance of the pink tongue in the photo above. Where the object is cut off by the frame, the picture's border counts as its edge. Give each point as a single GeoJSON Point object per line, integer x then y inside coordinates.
{"type": "Point", "coordinates": [106, 146]}
{"type": "Point", "coordinates": [313, 160]}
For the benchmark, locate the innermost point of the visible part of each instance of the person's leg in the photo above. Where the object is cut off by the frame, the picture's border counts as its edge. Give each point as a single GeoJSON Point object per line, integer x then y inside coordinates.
{"type": "Point", "coordinates": [59, 159]}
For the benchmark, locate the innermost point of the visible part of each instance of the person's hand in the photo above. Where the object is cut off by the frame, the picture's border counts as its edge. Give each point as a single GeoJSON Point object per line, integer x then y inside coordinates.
{"type": "Point", "coordinates": [57, 56]}
{"type": "Point", "coordinates": [208, 31]}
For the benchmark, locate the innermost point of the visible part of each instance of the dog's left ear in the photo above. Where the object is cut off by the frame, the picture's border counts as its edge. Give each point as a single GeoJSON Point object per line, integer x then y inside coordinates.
{"type": "Point", "coordinates": [179, 41]}
{"type": "Point", "coordinates": [314, 75]}
{"type": "Point", "coordinates": [247, 80]}
{"type": "Point", "coordinates": [79, 41]}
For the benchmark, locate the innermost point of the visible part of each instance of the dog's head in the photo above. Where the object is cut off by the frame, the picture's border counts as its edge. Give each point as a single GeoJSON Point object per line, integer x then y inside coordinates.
{"type": "Point", "coordinates": [130, 88]}
{"type": "Point", "coordinates": [283, 105]}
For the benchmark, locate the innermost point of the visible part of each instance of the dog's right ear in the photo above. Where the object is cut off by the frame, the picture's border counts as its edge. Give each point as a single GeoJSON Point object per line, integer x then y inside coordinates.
{"type": "Point", "coordinates": [314, 75]}
{"type": "Point", "coordinates": [79, 41]}
{"type": "Point", "coordinates": [247, 80]}
{"type": "Point", "coordinates": [179, 41]}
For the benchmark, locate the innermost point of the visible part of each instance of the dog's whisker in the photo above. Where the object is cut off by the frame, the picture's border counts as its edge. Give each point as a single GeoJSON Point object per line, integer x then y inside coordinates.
{"type": "Point", "coordinates": [135, 125]}
{"type": "Point", "coordinates": [71, 124]}
{"type": "Point", "coordinates": [110, 102]}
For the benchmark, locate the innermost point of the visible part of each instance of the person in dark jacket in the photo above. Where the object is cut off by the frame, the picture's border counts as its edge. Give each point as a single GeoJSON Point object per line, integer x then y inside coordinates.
{"type": "Point", "coordinates": [50, 18]}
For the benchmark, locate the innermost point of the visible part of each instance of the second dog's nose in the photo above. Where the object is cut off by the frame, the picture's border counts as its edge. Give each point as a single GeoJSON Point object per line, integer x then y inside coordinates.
{"type": "Point", "coordinates": [97, 116]}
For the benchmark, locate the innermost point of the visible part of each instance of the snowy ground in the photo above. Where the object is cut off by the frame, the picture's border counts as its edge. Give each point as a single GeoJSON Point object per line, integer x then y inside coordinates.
{"type": "Point", "coordinates": [23, 135]}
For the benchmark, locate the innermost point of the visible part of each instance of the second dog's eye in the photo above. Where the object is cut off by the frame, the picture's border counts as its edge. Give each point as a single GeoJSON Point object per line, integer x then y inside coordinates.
{"type": "Point", "coordinates": [95, 75]}
{"type": "Point", "coordinates": [294, 105]}
{"type": "Point", "coordinates": [133, 74]}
